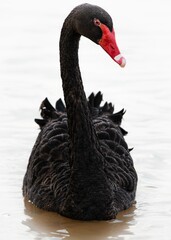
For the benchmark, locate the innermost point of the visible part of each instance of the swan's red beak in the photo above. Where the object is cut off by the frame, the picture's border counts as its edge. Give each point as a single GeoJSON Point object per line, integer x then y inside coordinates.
{"type": "Point", "coordinates": [108, 43]}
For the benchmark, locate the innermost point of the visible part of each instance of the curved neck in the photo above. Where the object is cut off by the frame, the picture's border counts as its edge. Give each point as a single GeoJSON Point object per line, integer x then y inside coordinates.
{"type": "Point", "coordinates": [81, 130]}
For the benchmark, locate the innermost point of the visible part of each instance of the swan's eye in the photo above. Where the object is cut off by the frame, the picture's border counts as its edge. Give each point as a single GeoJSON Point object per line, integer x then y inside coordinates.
{"type": "Point", "coordinates": [97, 22]}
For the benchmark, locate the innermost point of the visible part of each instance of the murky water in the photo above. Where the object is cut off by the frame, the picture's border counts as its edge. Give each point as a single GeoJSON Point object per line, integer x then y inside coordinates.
{"type": "Point", "coordinates": [29, 72]}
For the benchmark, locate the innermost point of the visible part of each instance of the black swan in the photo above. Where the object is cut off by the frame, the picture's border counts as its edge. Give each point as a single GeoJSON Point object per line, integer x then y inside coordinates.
{"type": "Point", "coordinates": [80, 165]}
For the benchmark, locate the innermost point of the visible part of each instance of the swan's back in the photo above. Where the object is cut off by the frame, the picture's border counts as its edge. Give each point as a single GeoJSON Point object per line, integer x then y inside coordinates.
{"type": "Point", "coordinates": [47, 180]}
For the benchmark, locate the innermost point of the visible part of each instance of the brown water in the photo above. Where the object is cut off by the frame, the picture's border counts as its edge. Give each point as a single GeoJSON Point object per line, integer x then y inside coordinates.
{"type": "Point", "coordinates": [29, 72]}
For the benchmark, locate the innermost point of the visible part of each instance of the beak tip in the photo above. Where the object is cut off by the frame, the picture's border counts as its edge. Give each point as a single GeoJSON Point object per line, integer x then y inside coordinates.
{"type": "Point", "coordinates": [123, 63]}
{"type": "Point", "coordinates": [120, 60]}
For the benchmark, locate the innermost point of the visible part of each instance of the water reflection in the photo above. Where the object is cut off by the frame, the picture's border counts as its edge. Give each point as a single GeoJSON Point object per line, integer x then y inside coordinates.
{"type": "Point", "coordinates": [45, 224]}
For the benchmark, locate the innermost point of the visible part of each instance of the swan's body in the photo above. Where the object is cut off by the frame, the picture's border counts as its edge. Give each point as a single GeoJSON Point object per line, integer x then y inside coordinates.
{"type": "Point", "coordinates": [80, 165]}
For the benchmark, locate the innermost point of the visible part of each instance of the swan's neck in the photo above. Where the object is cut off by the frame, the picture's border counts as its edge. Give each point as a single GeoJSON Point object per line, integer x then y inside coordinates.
{"type": "Point", "coordinates": [83, 139]}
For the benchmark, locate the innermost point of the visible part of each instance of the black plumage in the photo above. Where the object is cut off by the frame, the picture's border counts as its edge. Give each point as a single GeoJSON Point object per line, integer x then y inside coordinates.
{"type": "Point", "coordinates": [80, 165]}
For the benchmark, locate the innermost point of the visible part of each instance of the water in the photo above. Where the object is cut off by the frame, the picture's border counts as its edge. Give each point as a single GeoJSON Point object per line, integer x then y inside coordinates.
{"type": "Point", "coordinates": [29, 72]}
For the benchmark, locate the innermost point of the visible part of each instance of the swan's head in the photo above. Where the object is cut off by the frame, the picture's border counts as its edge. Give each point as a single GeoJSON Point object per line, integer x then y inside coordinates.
{"type": "Point", "coordinates": [96, 24]}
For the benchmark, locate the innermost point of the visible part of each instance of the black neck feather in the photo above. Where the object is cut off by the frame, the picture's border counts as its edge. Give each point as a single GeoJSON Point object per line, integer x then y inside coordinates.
{"type": "Point", "coordinates": [82, 134]}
